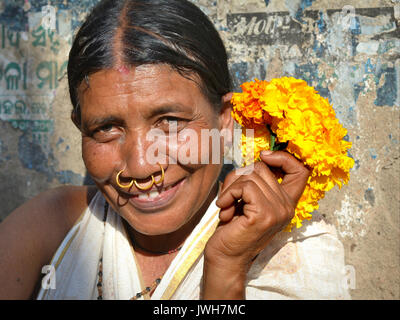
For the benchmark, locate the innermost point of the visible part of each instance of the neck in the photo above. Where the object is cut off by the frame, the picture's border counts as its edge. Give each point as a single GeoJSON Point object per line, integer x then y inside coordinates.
{"type": "Point", "coordinates": [156, 244]}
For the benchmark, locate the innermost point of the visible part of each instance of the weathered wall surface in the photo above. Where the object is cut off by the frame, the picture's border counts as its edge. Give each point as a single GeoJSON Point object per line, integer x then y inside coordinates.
{"type": "Point", "coordinates": [348, 50]}
{"type": "Point", "coordinates": [39, 146]}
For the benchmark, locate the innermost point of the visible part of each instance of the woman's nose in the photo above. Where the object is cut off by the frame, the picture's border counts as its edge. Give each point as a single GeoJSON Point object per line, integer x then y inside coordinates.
{"type": "Point", "coordinates": [140, 164]}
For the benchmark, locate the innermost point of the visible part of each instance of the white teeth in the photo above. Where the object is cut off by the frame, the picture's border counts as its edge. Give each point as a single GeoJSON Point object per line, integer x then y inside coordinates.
{"type": "Point", "coordinates": [143, 196]}
{"type": "Point", "coordinates": [153, 194]}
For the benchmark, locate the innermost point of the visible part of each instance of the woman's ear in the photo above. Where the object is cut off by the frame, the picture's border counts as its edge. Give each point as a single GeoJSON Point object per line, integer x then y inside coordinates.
{"type": "Point", "coordinates": [226, 119]}
{"type": "Point", "coordinates": [225, 116]}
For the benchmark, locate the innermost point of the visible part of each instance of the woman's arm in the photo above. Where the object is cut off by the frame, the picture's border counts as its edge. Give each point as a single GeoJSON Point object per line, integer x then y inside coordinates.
{"type": "Point", "coordinates": [30, 235]}
{"type": "Point", "coordinates": [223, 282]}
{"type": "Point", "coordinates": [254, 207]}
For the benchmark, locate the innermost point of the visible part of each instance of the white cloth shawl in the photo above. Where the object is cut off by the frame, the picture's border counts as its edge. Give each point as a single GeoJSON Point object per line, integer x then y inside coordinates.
{"type": "Point", "coordinates": [307, 263]}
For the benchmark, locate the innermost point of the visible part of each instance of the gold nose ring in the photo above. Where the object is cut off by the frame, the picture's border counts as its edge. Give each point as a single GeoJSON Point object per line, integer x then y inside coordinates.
{"type": "Point", "coordinates": [123, 185]}
{"type": "Point", "coordinates": [144, 188]}
{"type": "Point", "coordinates": [162, 175]}
{"type": "Point", "coordinates": [136, 183]}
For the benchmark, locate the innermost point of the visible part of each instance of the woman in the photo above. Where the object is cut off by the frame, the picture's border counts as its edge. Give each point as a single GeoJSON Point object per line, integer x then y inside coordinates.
{"type": "Point", "coordinates": [155, 225]}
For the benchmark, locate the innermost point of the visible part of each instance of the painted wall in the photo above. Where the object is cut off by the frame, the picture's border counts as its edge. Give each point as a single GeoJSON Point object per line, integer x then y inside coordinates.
{"type": "Point", "coordinates": [348, 50]}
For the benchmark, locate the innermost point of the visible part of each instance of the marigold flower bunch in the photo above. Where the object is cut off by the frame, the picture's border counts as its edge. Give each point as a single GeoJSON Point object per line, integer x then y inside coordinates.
{"type": "Point", "coordinates": [286, 113]}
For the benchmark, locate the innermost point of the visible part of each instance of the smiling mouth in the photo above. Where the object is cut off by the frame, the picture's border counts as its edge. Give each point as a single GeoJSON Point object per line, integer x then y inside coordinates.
{"type": "Point", "coordinates": [156, 198]}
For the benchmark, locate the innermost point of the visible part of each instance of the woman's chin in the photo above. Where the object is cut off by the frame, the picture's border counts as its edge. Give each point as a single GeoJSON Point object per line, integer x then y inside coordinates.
{"type": "Point", "coordinates": [157, 213]}
{"type": "Point", "coordinates": [162, 223]}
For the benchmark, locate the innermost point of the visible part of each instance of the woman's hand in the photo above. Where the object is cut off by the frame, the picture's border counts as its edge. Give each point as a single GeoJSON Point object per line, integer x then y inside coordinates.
{"type": "Point", "coordinates": [254, 207]}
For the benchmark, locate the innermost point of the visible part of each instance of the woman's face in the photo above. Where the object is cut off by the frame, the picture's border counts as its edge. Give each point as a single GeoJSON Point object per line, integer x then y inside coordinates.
{"type": "Point", "coordinates": [120, 110]}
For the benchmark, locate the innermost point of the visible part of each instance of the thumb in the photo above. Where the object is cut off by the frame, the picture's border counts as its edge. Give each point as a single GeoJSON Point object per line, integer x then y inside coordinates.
{"type": "Point", "coordinates": [295, 173]}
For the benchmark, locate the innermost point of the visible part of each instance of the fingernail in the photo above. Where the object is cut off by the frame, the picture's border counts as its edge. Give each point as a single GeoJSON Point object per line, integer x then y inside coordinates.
{"type": "Point", "coordinates": [266, 152]}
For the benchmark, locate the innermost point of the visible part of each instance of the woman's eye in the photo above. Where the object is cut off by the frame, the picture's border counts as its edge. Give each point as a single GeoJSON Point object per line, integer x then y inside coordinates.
{"type": "Point", "coordinates": [171, 123]}
{"type": "Point", "coordinates": [104, 133]}
{"type": "Point", "coordinates": [104, 128]}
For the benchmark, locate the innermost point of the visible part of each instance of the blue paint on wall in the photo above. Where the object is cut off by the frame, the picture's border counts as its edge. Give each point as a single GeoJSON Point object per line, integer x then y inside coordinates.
{"type": "Point", "coordinates": [356, 164]}
{"type": "Point", "coordinates": [319, 49]}
{"type": "Point", "coordinates": [372, 153]}
{"type": "Point", "coordinates": [388, 44]}
{"type": "Point", "coordinates": [60, 4]}
{"type": "Point", "coordinates": [309, 73]}
{"type": "Point", "coordinates": [60, 140]}
{"type": "Point", "coordinates": [68, 177]}
{"type": "Point", "coordinates": [303, 5]}
{"type": "Point", "coordinates": [262, 72]}
{"type": "Point", "coordinates": [349, 154]}
{"type": "Point", "coordinates": [321, 22]}
{"type": "Point", "coordinates": [369, 68]}
{"type": "Point", "coordinates": [32, 156]}
{"type": "Point", "coordinates": [3, 150]}
{"type": "Point", "coordinates": [239, 73]}
{"type": "Point", "coordinates": [355, 26]}
{"type": "Point", "coordinates": [387, 94]}
{"type": "Point", "coordinates": [351, 115]}
{"type": "Point", "coordinates": [370, 196]}
{"type": "Point", "coordinates": [14, 16]}
{"type": "Point", "coordinates": [357, 90]}
{"type": "Point", "coordinates": [392, 139]}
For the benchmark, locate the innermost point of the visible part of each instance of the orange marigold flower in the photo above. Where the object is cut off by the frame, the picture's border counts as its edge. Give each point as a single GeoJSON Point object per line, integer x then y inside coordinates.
{"type": "Point", "coordinates": [297, 115]}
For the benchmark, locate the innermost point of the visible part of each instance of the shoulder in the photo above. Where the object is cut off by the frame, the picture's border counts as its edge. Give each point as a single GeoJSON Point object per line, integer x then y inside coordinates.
{"type": "Point", "coordinates": [58, 208]}
{"type": "Point", "coordinates": [31, 234]}
{"type": "Point", "coordinates": [62, 205]}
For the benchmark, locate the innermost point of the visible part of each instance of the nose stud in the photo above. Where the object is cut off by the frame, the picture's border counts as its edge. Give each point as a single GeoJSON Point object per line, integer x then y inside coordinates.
{"type": "Point", "coordinates": [133, 181]}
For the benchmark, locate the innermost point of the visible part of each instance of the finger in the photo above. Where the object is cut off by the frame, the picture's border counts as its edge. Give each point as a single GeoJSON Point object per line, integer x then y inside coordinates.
{"type": "Point", "coordinates": [272, 215]}
{"type": "Point", "coordinates": [295, 173]}
{"type": "Point", "coordinates": [273, 193]}
{"type": "Point", "coordinates": [247, 192]}
{"type": "Point", "coordinates": [267, 179]}
{"type": "Point", "coordinates": [230, 178]}
{"type": "Point", "coordinates": [252, 171]}
{"type": "Point", "coordinates": [227, 213]}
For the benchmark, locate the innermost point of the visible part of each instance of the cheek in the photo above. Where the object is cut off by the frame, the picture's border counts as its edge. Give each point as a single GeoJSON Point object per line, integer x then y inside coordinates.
{"type": "Point", "coordinates": [100, 159]}
{"type": "Point", "coordinates": [203, 146]}
{"type": "Point", "coordinates": [189, 147]}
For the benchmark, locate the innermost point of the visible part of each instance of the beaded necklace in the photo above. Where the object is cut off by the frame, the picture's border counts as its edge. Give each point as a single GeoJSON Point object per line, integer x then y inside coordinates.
{"type": "Point", "coordinates": [147, 290]}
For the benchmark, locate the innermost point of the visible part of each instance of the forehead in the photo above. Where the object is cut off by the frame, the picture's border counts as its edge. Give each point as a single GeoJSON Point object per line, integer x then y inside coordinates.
{"type": "Point", "coordinates": [142, 86]}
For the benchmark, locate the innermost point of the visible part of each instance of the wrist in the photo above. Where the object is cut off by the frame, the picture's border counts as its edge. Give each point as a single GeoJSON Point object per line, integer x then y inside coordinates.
{"type": "Point", "coordinates": [223, 281]}
{"type": "Point", "coordinates": [221, 263]}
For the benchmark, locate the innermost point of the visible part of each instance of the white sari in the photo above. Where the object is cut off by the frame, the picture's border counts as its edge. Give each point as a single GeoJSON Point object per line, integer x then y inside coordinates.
{"type": "Point", "coordinates": [307, 263]}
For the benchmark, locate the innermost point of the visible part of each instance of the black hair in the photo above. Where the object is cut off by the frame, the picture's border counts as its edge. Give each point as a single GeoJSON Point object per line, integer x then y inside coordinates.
{"type": "Point", "coordinates": [137, 32]}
